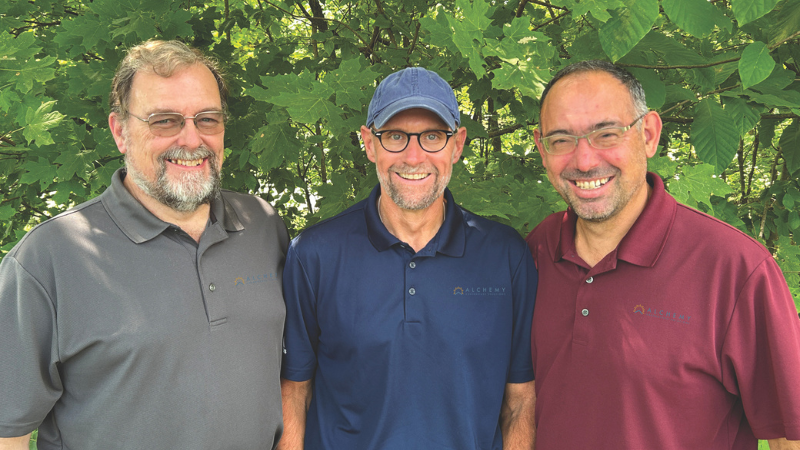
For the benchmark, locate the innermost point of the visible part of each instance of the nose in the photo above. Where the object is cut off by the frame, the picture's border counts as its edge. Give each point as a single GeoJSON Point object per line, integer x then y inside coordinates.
{"type": "Point", "coordinates": [189, 136]}
{"type": "Point", "coordinates": [586, 156]}
{"type": "Point", "coordinates": [414, 154]}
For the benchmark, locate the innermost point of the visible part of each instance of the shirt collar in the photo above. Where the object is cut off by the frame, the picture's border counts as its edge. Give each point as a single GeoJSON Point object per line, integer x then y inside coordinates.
{"type": "Point", "coordinates": [139, 224]}
{"type": "Point", "coordinates": [449, 240]}
{"type": "Point", "coordinates": [644, 242]}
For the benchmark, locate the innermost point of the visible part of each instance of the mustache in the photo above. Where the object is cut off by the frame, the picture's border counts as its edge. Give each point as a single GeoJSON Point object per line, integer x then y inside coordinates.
{"type": "Point", "coordinates": [201, 152]}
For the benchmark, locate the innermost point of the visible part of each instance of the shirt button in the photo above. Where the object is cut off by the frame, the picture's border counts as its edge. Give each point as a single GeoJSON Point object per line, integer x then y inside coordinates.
{"type": "Point", "coordinates": [589, 280]}
{"type": "Point", "coordinates": [412, 264]}
{"type": "Point", "coordinates": [412, 291]}
{"type": "Point", "coordinates": [211, 287]}
{"type": "Point", "coordinates": [585, 312]}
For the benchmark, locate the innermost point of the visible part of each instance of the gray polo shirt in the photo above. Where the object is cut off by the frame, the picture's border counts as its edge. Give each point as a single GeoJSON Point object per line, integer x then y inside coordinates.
{"type": "Point", "coordinates": [118, 331]}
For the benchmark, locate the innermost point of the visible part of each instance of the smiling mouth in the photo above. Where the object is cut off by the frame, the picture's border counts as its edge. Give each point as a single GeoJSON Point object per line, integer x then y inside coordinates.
{"type": "Point", "coordinates": [187, 162]}
{"type": "Point", "coordinates": [594, 184]}
{"type": "Point", "coordinates": [412, 176]}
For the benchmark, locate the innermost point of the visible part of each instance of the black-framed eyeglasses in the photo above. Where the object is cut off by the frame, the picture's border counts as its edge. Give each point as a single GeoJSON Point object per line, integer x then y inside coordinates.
{"type": "Point", "coordinates": [395, 141]}
{"type": "Point", "coordinates": [603, 138]}
{"type": "Point", "coordinates": [170, 124]}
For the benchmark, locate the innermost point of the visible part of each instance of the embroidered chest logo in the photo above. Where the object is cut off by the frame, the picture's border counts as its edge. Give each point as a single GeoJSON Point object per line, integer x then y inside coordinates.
{"type": "Point", "coordinates": [679, 317]}
{"type": "Point", "coordinates": [253, 279]}
{"type": "Point", "coordinates": [479, 290]}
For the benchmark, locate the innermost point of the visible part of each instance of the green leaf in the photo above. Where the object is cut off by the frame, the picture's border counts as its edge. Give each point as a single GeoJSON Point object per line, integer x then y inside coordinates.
{"type": "Point", "coordinates": [698, 17]}
{"type": "Point", "coordinates": [697, 184]}
{"type": "Point", "coordinates": [788, 23]}
{"type": "Point", "coordinates": [627, 27]}
{"type": "Point", "coordinates": [744, 116]}
{"type": "Point", "coordinates": [6, 212]}
{"type": "Point", "coordinates": [654, 88]}
{"type": "Point", "coordinates": [349, 81]}
{"type": "Point", "coordinates": [790, 146]}
{"type": "Point", "coordinates": [523, 76]}
{"type": "Point", "coordinates": [756, 64]}
{"type": "Point", "coordinates": [274, 144]}
{"type": "Point", "coordinates": [41, 171]}
{"type": "Point", "coordinates": [72, 164]}
{"type": "Point", "coordinates": [714, 134]}
{"type": "Point", "coordinates": [598, 8]}
{"type": "Point", "coordinates": [750, 10]}
{"type": "Point", "coordinates": [39, 121]}
{"type": "Point", "coordinates": [468, 33]}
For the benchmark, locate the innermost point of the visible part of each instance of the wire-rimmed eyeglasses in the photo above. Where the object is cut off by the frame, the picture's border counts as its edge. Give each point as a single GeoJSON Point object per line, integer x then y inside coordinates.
{"type": "Point", "coordinates": [170, 124]}
{"type": "Point", "coordinates": [608, 137]}
{"type": "Point", "coordinates": [395, 141]}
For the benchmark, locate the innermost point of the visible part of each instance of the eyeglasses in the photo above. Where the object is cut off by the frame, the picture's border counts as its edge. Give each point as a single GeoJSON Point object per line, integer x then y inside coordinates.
{"type": "Point", "coordinates": [561, 144]}
{"type": "Point", "coordinates": [395, 141]}
{"type": "Point", "coordinates": [170, 124]}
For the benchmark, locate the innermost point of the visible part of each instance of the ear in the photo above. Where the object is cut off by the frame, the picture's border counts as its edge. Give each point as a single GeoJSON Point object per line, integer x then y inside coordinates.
{"type": "Point", "coordinates": [369, 147]}
{"type": "Point", "coordinates": [537, 138]}
{"type": "Point", "coordinates": [651, 127]}
{"type": "Point", "coordinates": [115, 125]}
{"type": "Point", "coordinates": [461, 139]}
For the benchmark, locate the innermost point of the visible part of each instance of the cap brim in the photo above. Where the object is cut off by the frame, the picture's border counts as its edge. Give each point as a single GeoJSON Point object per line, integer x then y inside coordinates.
{"type": "Point", "coordinates": [428, 103]}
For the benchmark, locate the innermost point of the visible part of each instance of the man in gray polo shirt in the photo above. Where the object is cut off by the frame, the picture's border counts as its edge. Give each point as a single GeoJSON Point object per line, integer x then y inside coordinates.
{"type": "Point", "coordinates": [150, 317]}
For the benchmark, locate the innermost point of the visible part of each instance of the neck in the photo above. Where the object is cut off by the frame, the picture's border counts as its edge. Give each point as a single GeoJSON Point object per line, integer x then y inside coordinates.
{"type": "Point", "coordinates": [192, 223]}
{"type": "Point", "coordinates": [595, 240]}
{"type": "Point", "coordinates": [414, 227]}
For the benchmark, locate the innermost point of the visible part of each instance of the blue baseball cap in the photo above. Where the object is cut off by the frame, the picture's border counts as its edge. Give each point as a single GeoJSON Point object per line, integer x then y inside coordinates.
{"type": "Point", "coordinates": [413, 87]}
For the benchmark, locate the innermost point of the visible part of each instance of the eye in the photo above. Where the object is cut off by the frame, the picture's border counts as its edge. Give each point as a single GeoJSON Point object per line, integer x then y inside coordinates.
{"type": "Point", "coordinates": [164, 121]}
{"type": "Point", "coordinates": [395, 136]}
{"type": "Point", "coordinates": [560, 140]}
{"type": "Point", "coordinates": [433, 136]}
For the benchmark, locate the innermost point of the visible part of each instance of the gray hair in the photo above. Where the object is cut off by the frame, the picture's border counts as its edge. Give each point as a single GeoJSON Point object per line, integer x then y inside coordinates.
{"type": "Point", "coordinates": [596, 65]}
{"type": "Point", "coordinates": [162, 58]}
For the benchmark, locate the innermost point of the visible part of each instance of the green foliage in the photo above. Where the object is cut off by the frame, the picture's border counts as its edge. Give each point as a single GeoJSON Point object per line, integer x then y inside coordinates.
{"type": "Point", "coordinates": [723, 75]}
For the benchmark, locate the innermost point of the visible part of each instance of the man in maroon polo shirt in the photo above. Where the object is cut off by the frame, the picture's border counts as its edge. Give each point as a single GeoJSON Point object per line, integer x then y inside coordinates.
{"type": "Point", "coordinates": [656, 326]}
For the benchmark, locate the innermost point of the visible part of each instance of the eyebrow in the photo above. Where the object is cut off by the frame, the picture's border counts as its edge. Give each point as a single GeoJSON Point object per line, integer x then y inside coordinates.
{"type": "Point", "coordinates": [597, 126]}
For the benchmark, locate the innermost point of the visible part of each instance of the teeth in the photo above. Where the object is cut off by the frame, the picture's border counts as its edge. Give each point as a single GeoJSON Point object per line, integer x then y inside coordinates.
{"type": "Point", "coordinates": [187, 162]}
{"type": "Point", "coordinates": [591, 184]}
{"type": "Point", "coordinates": [413, 176]}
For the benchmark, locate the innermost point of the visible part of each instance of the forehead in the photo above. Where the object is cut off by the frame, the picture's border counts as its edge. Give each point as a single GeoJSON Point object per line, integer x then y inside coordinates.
{"type": "Point", "coordinates": [189, 89]}
{"type": "Point", "coordinates": [585, 98]}
{"type": "Point", "coordinates": [415, 118]}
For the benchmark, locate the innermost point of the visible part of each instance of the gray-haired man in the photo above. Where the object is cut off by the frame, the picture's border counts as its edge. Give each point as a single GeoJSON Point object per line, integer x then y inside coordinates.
{"type": "Point", "coordinates": [151, 316]}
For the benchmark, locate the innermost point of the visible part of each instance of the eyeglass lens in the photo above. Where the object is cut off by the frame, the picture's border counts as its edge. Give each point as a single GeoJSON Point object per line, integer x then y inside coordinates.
{"type": "Point", "coordinates": [170, 124]}
{"type": "Point", "coordinates": [397, 141]}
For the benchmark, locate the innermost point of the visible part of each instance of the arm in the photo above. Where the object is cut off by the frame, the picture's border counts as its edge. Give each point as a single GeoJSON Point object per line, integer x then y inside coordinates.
{"type": "Point", "coordinates": [783, 444]}
{"type": "Point", "coordinates": [295, 398]}
{"type": "Point", "coordinates": [517, 416]}
{"type": "Point", "coordinates": [15, 443]}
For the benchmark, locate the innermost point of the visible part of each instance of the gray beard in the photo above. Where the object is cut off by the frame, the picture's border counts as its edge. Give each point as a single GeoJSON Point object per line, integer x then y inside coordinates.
{"type": "Point", "coordinates": [409, 204]}
{"type": "Point", "coordinates": [188, 192]}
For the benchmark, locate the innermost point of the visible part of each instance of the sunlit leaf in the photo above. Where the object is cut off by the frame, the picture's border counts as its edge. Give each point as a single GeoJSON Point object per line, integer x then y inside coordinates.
{"type": "Point", "coordinates": [698, 17]}
{"type": "Point", "coordinates": [756, 64]}
{"type": "Point", "coordinates": [627, 27]}
{"type": "Point", "coordinates": [750, 10]}
{"type": "Point", "coordinates": [714, 134]}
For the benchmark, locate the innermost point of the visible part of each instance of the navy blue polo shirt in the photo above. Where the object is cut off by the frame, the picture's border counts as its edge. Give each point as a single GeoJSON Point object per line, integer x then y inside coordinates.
{"type": "Point", "coordinates": [407, 350]}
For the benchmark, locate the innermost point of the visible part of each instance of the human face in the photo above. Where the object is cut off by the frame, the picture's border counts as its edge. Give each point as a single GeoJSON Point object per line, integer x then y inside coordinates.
{"type": "Point", "coordinates": [414, 179]}
{"type": "Point", "coordinates": [598, 184]}
{"type": "Point", "coordinates": [181, 171]}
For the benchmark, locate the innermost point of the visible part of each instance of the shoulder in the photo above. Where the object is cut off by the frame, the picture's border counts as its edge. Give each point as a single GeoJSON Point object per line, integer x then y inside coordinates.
{"type": "Point", "coordinates": [490, 228]}
{"type": "Point", "coordinates": [66, 228]}
{"type": "Point", "coordinates": [333, 229]}
{"type": "Point", "coordinates": [248, 203]}
{"type": "Point", "coordinates": [715, 235]}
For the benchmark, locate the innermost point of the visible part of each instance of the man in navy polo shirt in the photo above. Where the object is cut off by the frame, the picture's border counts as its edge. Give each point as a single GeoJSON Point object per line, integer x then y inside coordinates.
{"type": "Point", "coordinates": [656, 326]}
{"type": "Point", "coordinates": [408, 317]}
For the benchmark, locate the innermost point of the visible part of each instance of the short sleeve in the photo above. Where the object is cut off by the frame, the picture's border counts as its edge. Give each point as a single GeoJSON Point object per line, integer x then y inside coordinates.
{"type": "Point", "coordinates": [302, 329]}
{"type": "Point", "coordinates": [761, 354]}
{"type": "Point", "coordinates": [29, 381]}
{"type": "Point", "coordinates": [524, 283]}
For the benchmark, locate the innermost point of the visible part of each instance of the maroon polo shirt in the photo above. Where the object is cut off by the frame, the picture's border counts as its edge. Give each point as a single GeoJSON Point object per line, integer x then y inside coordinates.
{"type": "Point", "coordinates": [684, 337]}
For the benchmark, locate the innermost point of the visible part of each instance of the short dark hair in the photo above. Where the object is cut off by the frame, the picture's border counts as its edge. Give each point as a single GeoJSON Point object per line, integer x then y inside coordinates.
{"type": "Point", "coordinates": [163, 58]}
{"type": "Point", "coordinates": [597, 65]}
